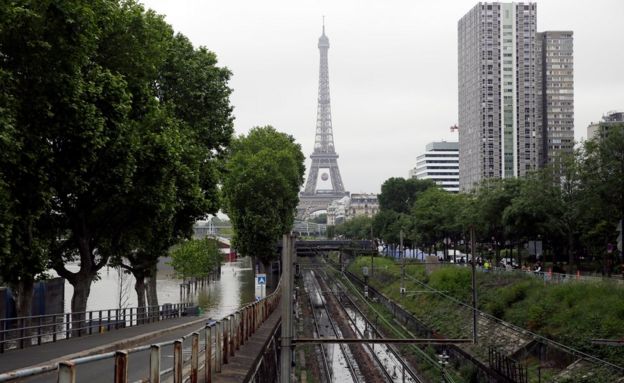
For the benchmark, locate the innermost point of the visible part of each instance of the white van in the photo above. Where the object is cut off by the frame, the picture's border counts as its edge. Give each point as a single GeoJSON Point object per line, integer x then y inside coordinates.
{"type": "Point", "coordinates": [509, 262]}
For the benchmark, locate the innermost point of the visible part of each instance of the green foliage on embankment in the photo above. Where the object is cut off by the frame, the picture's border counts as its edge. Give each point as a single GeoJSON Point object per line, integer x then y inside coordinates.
{"type": "Point", "coordinates": [572, 313]}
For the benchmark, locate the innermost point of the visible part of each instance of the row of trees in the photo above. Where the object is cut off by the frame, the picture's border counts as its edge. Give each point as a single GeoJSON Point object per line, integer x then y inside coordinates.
{"type": "Point", "coordinates": [112, 132]}
{"type": "Point", "coordinates": [575, 215]}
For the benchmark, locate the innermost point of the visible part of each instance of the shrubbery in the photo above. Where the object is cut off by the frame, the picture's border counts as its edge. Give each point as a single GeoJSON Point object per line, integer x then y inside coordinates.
{"type": "Point", "coordinates": [573, 313]}
{"type": "Point", "coordinates": [196, 258]}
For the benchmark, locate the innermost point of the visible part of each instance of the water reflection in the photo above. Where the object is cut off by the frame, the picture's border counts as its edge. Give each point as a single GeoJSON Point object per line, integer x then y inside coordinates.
{"type": "Point", "coordinates": [235, 287]}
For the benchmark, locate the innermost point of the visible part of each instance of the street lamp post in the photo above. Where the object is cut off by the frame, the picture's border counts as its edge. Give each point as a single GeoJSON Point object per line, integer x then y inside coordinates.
{"type": "Point", "coordinates": [374, 249]}
{"type": "Point", "coordinates": [474, 284]}
{"type": "Point", "coordinates": [401, 252]}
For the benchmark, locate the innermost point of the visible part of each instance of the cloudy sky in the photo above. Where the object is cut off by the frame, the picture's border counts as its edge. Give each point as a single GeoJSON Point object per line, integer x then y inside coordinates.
{"type": "Point", "coordinates": [392, 69]}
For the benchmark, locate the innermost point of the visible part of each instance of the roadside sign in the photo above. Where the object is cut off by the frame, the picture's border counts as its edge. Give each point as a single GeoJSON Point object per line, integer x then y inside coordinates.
{"type": "Point", "coordinates": [260, 286]}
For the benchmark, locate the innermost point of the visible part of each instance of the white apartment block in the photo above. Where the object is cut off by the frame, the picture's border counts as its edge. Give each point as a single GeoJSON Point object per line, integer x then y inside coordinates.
{"type": "Point", "coordinates": [439, 163]}
{"type": "Point", "coordinates": [516, 93]}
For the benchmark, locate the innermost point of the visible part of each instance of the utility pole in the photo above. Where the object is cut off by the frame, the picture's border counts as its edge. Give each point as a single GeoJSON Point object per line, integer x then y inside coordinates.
{"type": "Point", "coordinates": [286, 341]}
{"type": "Point", "coordinates": [374, 250]}
{"type": "Point", "coordinates": [474, 284]}
{"type": "Point", "coordinates": [401, 252]}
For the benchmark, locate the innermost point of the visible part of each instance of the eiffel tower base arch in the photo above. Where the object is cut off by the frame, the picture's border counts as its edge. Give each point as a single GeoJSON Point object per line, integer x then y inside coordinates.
{"type": "Point", "coordinates": [311, 203]}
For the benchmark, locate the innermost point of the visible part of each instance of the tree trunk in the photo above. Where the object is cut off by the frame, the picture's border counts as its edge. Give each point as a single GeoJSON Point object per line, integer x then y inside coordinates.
{"type": "Point", "coordinates": [152, 292]}
{"type": "Point", "coordinates": [82, 289]}
{"type": "Point", "coordinates": [23, 300]}
{"type": "Point", "coordinates": [139, 287]}
{"type": "Point", "coordinates": [445, 247]}
{"type": "Point", "coordinates": [454, 243]}
{"type": "Point", "coordinates": [570, 253]}
{"type": "Point", "coordinates": [23, 303]}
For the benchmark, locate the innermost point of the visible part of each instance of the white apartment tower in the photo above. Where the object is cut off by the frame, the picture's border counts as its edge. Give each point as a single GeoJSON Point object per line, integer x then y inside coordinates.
{"type": "Point", "coordinates": [440, 163]}
{"type": "Point", "coordinates": [498, 103]}
{"type": "Point", "coordinates": [516, 93]}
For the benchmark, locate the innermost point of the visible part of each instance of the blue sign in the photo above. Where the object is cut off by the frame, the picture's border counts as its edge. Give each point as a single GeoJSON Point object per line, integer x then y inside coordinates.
{"type": "Point", "coordinates": [261, 280]}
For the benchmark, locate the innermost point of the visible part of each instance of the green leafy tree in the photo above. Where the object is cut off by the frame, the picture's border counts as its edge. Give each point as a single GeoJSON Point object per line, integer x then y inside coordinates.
{"type": "Point", "coordinates": [398, 194]}
{"type": "Point", "coordinates": [437, 216]}
{"type": "Point", "coordinates": [536, 210]}
{"type": "Point", "coordinates": [24, 190]}
{"type": "Point", "coordinates": [395, 203]}
{"type": "Point", "coordinates": [492, 198]}
{"type": "Point", "coordinates": [5, 223]}
{"type": "Point", "coordinates": [357, 228]}
{"type": "Point", "coordinates": [178, 167]}
{"type": "Point", "coordinates": [66, 109]}
{"type": "Point", "coordinates": [388, 224]}
{"type": "Point", "coordinates": [115, 129]}
{"type": "Point", "coordinates": [196, 258]}
{"type": "Point", "coordinates": [601, 174]}
{"type": "Point", "coordinates": [264, 173]}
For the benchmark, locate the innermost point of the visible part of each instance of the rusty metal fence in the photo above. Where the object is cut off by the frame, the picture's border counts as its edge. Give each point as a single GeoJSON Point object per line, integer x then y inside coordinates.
{"type": "Point", "coordinates": [23, 332]}
{"type": "Point", "coordinates": [220, 340]}
{"type": "Point", "coordinates": [510, 369]}
{"type": "Point", "coordinates": [266, 366]}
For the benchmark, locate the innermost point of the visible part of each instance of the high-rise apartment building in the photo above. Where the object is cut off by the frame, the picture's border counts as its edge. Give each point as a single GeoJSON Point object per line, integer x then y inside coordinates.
{"type": "Point", "coordinates": [555, 85]}
{"type": "Point", "coordinates": [440, 163]}
{"type": "Point", "coordinates": [515, 92]}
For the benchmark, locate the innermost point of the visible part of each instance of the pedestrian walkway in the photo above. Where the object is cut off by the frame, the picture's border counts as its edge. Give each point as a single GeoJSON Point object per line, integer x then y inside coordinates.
{"type": "Point", "coordinates": [247, 356]}
{"type": "Point", "coordinates": [91, 344]}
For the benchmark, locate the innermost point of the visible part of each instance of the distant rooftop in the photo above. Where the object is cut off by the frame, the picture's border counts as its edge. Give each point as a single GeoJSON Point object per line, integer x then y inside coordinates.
{"type": "Point", "coordinates": [442, 145]}
{"type": "Point", "coordinates": [613, 116]}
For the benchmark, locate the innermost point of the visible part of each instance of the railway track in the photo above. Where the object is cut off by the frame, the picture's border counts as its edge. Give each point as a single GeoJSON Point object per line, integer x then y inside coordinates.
{"type": "Point", "coordinates": [326, 328]}
{"type": "Point", "coordinates": [365, 362]}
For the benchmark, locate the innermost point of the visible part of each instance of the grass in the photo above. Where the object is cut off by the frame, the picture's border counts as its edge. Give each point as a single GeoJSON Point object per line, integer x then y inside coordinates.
{"type": "Point", "coordinates": [572, 313]}
{"type": "Point", "coordinates": [424, 359]}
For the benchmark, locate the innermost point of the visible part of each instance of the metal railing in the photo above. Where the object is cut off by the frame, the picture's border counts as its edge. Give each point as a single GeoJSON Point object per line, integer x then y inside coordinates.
{"type": "Point", "coordinates": [221, 340]}
{"type": "Point", "coordinates": [23, 332]}
{"type": "Point", "coordinates": [508, 367]}
{"type": "Point", "coordinates": [266, 366]}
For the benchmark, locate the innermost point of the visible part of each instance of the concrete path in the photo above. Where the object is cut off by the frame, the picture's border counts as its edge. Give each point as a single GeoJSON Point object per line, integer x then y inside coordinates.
{"type": "Point", "coordinates": [239, 365]}
{"type": "Point", "coordinates": [97, 343]}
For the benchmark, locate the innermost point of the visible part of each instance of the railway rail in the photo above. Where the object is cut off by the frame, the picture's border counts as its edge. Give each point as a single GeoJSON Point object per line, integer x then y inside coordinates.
{"type": "Point", "coordinates": [321, 313]}
{"type": "Point", "coordinates": [386, 358]}
{"type": "Point", "coordinates": [324, 291]}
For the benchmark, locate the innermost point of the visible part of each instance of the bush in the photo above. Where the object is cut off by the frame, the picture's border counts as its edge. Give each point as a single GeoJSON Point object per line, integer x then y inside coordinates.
{"type": "Point", "coordinates": [453, 281]}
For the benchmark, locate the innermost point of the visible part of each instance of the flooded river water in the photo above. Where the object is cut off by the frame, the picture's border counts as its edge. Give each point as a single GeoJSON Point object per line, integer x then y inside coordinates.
{"type": "Point", "coordinates": [114, 289]}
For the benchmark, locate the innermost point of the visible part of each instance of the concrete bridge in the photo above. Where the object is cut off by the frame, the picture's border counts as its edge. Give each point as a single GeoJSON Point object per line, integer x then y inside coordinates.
{"type": "Point", "coordinates": [315, 247]}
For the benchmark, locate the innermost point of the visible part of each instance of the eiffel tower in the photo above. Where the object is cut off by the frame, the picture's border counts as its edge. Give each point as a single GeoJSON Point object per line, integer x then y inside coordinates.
{"type": "Point", "coordinates": [324, 157]}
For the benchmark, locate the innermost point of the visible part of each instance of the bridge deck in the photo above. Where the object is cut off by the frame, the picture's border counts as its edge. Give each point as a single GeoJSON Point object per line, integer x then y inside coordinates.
{"type": "Point", "coordinates": [240, 364]}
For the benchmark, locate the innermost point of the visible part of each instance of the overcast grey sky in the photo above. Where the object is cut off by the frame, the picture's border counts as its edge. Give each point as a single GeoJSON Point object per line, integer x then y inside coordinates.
{"type": "Point", "coordinates": [392, 69]}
